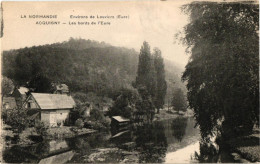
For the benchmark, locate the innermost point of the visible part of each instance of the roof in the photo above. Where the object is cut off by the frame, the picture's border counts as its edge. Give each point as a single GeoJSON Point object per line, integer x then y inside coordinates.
{"type": "Point", "coordinates": [10, 101]}
{"type": "Point", "coordinates": [63, 87]}
{"type": "Point", "coordinates": [53, 101]}
{"type": "Point", "coordinates": [23, 90]}
{"type": "Point", "coordinates": [120, 119]}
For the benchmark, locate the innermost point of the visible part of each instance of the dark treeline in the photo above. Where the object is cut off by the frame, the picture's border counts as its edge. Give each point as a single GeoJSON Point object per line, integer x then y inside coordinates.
{"type": "Point", "coordinates": [84, 65]}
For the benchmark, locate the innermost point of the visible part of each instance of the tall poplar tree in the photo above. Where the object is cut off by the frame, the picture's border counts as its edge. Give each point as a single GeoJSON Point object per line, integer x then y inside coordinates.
{"type": "Point", "coordinates": [146, 81]}
{"type": "Point", "coordinates": [161, 85]}
{"type": "Point", "coordinates": [146, 76]}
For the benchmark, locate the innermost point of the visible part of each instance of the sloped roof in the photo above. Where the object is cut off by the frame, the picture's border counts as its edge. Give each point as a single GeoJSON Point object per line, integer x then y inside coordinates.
{"type": "Point", "coordinates": [53, 101]}
{"type": "Point", "coordinates": [120, 119]}
{"type": "Point", "coordinates": [23, 90]}
{"type": "Point", "coordinates": [10, 101]}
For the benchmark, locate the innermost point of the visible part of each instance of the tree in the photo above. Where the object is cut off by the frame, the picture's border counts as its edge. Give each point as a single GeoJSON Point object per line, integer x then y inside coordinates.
{"type": "Point", "coordinates": [145, 105]}
{"type": "Point", "coordinates": [124, 104]}
{"type": "Point", "coordinates": [161, 85]}
{"type": "Point", "coordinates": [222, 74]}
{"type": "Point", "coordinates": [146, 72]}
{"type": "Point", "coordinates": [7, 86]}
{"type": "Point", "coordinates": [179, 101]}
{"type": "Point", "coordinates": [146, 83]}
{"type": "Point", "coordinates": [41, 83]}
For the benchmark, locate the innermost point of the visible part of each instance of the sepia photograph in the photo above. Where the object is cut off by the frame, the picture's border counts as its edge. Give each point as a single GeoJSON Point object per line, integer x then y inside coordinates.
{"type": "Point", "coordinates": [151, 81]}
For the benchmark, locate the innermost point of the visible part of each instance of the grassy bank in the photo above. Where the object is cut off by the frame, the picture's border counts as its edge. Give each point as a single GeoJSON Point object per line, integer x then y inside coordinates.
{"type": "Point", "coordinates": [30, 136]}
{"type": "Point", "coordinates": [165, 114]}
{"type": "Point", "coordinates": [247, 146]}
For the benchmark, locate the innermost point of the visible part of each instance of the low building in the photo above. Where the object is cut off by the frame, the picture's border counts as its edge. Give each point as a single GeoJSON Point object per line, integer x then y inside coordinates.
{"type": "Point", "coordinates": [119, 123]}
{"type": "Point", "coordinates": [9, 103]}
{"type": "Point", "coordinates": [53, 109]}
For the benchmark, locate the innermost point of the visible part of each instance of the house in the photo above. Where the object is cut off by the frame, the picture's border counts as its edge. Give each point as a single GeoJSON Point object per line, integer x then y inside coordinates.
{"type": "Point", "coordinates": [20, 95]}
{"type": "Point", "coordinates": [61, 89]}
{"type": "Point", "coordinates": [53, 109]}
{"type": "Point", "coordinates": [9, 103]}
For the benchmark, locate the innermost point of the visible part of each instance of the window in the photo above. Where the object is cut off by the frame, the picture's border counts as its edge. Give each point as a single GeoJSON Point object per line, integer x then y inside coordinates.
{"type": "Point", "coordinates": [29, 105]}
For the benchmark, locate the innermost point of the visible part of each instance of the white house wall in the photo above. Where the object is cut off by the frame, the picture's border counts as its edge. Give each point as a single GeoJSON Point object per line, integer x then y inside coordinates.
{"type": "Point", "coordinates": [52, 117]}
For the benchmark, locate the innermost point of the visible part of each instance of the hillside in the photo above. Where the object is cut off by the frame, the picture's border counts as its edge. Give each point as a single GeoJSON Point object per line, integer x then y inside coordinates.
{"type": "Point", "coordinates": [84, 65]}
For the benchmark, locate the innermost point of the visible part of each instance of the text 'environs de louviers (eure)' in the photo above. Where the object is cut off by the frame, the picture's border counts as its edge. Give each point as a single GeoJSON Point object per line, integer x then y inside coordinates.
{"type": "Point", "coordinates": [75, 19]}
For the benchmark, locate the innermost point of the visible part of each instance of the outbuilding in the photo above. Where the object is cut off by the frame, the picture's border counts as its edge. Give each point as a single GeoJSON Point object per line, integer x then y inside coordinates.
{"type": "Point", "coordinates": [119, 123]}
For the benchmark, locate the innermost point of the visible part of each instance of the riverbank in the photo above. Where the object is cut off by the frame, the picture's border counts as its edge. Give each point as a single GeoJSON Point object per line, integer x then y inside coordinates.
{"type": "Point", "coordinates": [165, 115]}
{"type": "Point", "coordinates": [246, 148]}
{"type": "Point", "coordinates": [29, 135]}
{"type": "Point", "coordinates": [180, 156]}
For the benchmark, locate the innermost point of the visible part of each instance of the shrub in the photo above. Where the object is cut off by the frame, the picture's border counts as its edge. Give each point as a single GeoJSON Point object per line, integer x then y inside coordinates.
{"type": "Point", "coordinates": [17, 119]}
{"type": "Point", "coordinates": [41, 128]}
{"type": "Point", "coordinates": [97, 120]}
{"type": "Point", "coordinates": [96, 114]}
{"type": "Point", "coordinates": [79, 123]}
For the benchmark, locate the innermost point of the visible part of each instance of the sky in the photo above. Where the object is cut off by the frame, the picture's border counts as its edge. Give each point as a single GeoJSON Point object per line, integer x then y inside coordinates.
{"type": "Point", "coordinates": [156, 22]}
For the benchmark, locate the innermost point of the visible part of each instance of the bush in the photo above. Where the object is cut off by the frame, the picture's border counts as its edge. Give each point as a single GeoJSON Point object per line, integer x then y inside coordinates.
{"type": "Point", "coordinates": [97, 120]}
{"type": "Point", "coordinates": [41, 128]}
{"type": "Point", "coordinates": [17, 119]}
{"type": "Point", "coordinates": [96, 115]}
{"type": "Point", "coordinates": [79, 123]}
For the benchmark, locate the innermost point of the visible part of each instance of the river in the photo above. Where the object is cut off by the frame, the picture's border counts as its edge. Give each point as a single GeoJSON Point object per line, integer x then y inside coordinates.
{"type": "Point", "coordinates": [168, 141]}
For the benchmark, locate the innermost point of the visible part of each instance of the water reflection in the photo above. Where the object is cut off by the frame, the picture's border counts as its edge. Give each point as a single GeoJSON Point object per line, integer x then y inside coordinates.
{"type": "Point", "coordinates": [37, 152]}
{"type": "Point", "coordinates": [149, 143]}
{"type": "Point", "coordinates": [178, 126]}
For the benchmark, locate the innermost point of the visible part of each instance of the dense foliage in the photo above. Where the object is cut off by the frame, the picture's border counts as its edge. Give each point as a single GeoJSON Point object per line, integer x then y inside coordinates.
{"type": "Point", "coordinates": [98, 69]}
{"type": "Point", "coordinates": [7, 86]}
{"type": "Point", "coordinates": [84, 65]}
{"type": "Point", "coordinates": [41, 128]}
{"type": "Point", "coordinates": [146, 72]}
{"type": "Point", "coordinates": [179, 101]}
{"type": "Point", "coordinates": [150, 88]}
{"type": "Point", "coordinates": [16, 118]}
{"type": "Point", "coordinates": [161, 85]}
{"type": "Point", "coordinates": [151, 77]}
{"type": "Point", "coordinates": [124, 103]}
{"type": "Point", "coordinates": [222, 74]}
